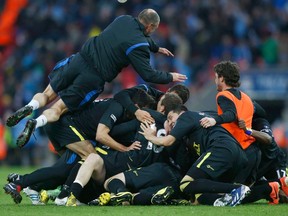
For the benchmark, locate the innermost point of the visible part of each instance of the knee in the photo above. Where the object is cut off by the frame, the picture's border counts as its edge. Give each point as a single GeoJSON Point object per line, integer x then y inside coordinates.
{"type": "Point", "coordinates": [107, 182]}
{"type": "Point", "coordinates": [52, 114]}
{"type": "Point", "coordinates": [91, 159]}
{"type": "Point", "coordinates": [95, 160]}
{"type": "Point", "coordinates": [58, 108]}
{"type": "Point", "coordinates": [99, 162]}
{"type": "Point", "coordinates": [49, 92]}
{"type": "Point", "coordinates": [119, 177]}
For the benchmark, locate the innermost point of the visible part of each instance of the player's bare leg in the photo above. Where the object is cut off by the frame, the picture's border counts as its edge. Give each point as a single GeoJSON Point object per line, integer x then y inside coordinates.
{"type": "Point", "coordinates": [52, 114]}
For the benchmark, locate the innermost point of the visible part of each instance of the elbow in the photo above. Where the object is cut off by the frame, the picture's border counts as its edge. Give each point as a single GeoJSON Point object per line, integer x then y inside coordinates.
{"type": "Point", "coordinates": [99, 137]}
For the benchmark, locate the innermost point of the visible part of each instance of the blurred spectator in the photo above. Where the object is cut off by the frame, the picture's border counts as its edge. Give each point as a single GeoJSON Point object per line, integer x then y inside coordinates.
{"type": "Point", "coordinates": [269, 48]}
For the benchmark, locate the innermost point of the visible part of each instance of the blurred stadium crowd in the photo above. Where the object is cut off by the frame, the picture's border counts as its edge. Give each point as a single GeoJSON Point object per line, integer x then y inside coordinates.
{"type": "Point", "coordinates": [199, 33]}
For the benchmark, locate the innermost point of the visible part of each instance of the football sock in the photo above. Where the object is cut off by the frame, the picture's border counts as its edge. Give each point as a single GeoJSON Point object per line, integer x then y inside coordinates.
{"type": "Point", "coordinates": [116, 185]}
{"type": "Point", "coordinates": [91, 191]}
{"type": "Point", "coordinates": [142, 198]}
{"type": "Point", "coordinates": [50, 184]}
{"type": "Point", "coordinates": [41, 121]}
{"type": "Point", "coordinates": [69, 181]}
{"type": "Point", "coordinates": [34, 104]}
{"type": "Point", "coordinates": [73, 173]}
{"type": "Point", "coordinates": [65, 190]}
{"type": "Point", "coordinates": [206, 186]}
{"type": "Point", "coordinates": [43, 175]}
{"type": "Point", "coordinates": [284, 181]}
{"type": "Point", "coordinates": [258, 192]}
{"type": "Point", "coordinates": [208, 198]}
{"type": "Point", "coordinates": [76, 188]}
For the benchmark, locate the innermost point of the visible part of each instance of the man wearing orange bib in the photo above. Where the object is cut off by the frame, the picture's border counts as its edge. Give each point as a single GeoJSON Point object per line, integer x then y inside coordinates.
{"type": "Point", "coordinates": [234, 105]}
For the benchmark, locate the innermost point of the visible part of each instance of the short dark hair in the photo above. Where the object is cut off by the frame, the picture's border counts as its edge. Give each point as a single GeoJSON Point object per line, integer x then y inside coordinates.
{"type": "Point", "coordinates": [142, 99]}
{"type": "Point", "coordinates": [181, 90]}
{"type": "Point", "coordinates": [229, 71]}
{"type": "Point", "coordinates": [170, 101]}
{"type": "Point", "coordinates": [178, 109]}
{"type": "Point", "coordinates": [149, 16]}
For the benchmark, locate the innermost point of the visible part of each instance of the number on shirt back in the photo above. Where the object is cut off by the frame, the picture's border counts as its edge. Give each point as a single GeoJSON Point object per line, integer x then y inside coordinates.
{"type": "Point", "coordinates": [156, 148]}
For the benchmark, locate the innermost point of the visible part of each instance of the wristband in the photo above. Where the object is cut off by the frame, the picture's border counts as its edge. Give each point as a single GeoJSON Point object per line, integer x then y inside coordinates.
{"type": "Point", "coordinates": [248, 131]}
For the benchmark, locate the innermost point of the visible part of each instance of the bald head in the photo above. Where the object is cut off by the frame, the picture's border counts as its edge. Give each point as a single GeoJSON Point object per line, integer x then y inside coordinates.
{"type": "Point", "coordinates": [149, 16]}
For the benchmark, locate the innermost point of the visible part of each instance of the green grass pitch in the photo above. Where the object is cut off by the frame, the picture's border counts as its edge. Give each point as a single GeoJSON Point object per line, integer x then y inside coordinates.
{"type": "Point", "coordinates": [7, 206]}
